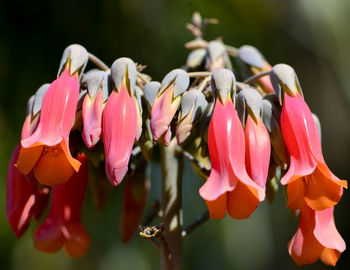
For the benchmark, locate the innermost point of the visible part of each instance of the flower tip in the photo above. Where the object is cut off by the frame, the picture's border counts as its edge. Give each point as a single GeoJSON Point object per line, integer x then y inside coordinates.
{"type": "Point", "coordinates": [92, 138]}
{"type": "Point", "coordinates": [117, 175]}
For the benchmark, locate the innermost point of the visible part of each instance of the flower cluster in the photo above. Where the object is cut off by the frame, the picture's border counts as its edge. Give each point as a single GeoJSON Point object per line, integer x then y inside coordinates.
{"type": "Point", "coordinates": [242, 137]}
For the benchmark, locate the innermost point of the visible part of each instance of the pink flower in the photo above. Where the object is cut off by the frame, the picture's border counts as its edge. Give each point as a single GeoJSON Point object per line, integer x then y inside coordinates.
{"type": "Point", "coordinates": [316, 238]}
{"type": "Point", "coordinates": [308, 177]}
{"type": "Point", "coordinates": [119, 124]}
{"type": "Point", "coordinates": [258, 150]}
{"type": "Point", "coordinates": [166, 104]}
{"type": "Point", "coordinates": [63, 226]}
{"type": "Point", "coordinates": [93, 105]}
{"type": "Point", "coordinates": [229, 187]}
{"type": "Point", "coordinates": [46, 151]}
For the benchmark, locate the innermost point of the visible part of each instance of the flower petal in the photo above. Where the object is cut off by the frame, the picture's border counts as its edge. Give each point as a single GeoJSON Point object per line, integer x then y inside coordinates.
{"type": "Point", "coordinates": [92, 118]}
{"type": "Point", "coordinates": [54, 167]}
{"type": "Point", "coordinates": [321, 192]}
{"type": "Point", "coordinates": [57, 112]}
{"type": "Point", "coordinates": [299, 135]}
{"type": "Point", "coordinates": [217, 208]}
{"type": "Point", "coordinates": [20, 197]}
{"type": "Point", "coordinates": [163, 110]}
{"type": "Point", "coordinates": [119, 132]}
{"type": "Point", "coordinates": [304, 247]}
{"type": "Point", "coordinates": [258, 151]}
{"type": "Point", "coordinates": [326, 232]}
{"type": "Point", "coordinates": [241, 202]}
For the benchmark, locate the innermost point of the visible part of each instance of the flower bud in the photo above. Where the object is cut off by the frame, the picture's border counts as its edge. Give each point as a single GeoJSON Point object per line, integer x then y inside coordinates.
{"type": "Point", "coordinates": [284, 79]}
{"type": "Point", "coordinates": [216, 56]}
{"type": "Point", "coordinates": [193, 104]}
{"type": "Point", "coordinates": [75, 57]}
{"type": "Point", "coordinates": [223, 84]}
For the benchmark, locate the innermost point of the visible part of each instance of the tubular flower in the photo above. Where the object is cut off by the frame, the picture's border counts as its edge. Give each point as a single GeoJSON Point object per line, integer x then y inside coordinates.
{"type": "Point", "coordinates": [257, 141]}
{"type": "Point", "coordinates": [93, 105]}
{"type": "Point", "coordinates": [24, 198]}
{"type": "Point", "coordinates": [228, 187]}
{"type": "Point", "coordinates": [63, 226]}
{"type": "Point", "coordinates": [308, 177]}
{"type": "Point", "coordinates": [119, 122]}
{"type": "Point", "coordinates": [316, 238]}
{"type": "Point", "coordinates": [166, 104]}
{"type": "Point", "coordinates": [46, 151]}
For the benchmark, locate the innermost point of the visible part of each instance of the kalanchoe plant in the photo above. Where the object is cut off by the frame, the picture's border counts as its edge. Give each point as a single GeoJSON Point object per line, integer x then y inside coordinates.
{"type": "Point", "coordinates": [242, 137]}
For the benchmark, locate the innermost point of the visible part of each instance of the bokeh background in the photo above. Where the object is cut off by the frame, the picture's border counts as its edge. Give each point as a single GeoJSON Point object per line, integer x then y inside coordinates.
{"type": "Point", "coordinates": [311, 35]}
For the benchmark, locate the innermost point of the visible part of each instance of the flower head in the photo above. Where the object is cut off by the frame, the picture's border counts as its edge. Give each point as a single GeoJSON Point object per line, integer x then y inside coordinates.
{"type": "Point", "coordinates": [24, 197]}
{"type": "Point", "coordinates": [97, 83]}
{"type": "Point", "coordinates": [46, 151]}
{"type": "Point", "coordinates": [228, 187]}
{"type": "Point", "coordinates": [119, 124]}
{"type": "Point", "coordinates": [308, 177]}
{"type": "Point", "coordinates": [63, 226]}
{"type": "Point", "coordinates": [316, 238]}
{"type": "Point", "coordinates": [166, 104]}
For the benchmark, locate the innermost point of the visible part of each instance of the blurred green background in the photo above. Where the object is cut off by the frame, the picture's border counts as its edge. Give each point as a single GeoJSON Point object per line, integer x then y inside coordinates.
{"type": "Point", "coordinates": [311, 35]}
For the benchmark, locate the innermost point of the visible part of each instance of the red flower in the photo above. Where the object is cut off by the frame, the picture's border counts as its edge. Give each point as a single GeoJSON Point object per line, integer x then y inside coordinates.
{"type": "Point", "coordinates": [63, 226]}
{"type": "Point", "coordinates": [93, 105]}
{"type": "Point", "coordinates": [46, 151]}
{"type": "Point", "coordinates": [308, 177]}
{"type": "Point", "coordinates": [166, 104]}
{"type": "Point", "coordinates": [228, 187]}
{"type": "Point", "coordinates": [258, 150]}
{"type": "Point", "coordinates": [316, 238]}
{"type": "Point", "coordinates": [24, 198]}
{"type": "Point", "coordinates": [119, 133]}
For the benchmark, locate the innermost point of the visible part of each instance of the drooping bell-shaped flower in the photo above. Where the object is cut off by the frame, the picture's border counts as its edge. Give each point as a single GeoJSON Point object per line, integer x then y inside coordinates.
{"type": "Point", "coordinates": [253, 62]}
{"type": "Point", "coordinates": [166, 104]}
{"type": "Point", "coordinates": [63, 226]}
{"type": "Point", "coordinates": [229, 187]}
{"type": "Point", "coordinates": [24, 197]}
{"type": "Point", "coordinates": [308, 177]}
{"type": "Point", "coordinates": [193, 104]}
{"type": "Point", "coordinates": [46, 151]}
{"type": "Point", "coordinates": [97, 84]}
{"type": "Point", "coordinates": [135, 193]}
{"type": "Point", "coordinates": [257, 141]}
{"type": "Point", "coordinates": [316, 238]}
{"type": "Point", "coordinates": [119, 124]}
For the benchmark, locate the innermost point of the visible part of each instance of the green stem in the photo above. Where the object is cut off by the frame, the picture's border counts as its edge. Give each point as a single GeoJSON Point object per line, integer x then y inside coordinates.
{"type": "Point", "coordinates": [172, 169]}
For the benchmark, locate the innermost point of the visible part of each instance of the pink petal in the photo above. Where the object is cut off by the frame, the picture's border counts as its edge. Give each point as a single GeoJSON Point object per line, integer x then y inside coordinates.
{"type": "Point", "coordinates": [57, 112]}
{"type": "Point", "coordinates": [29, 126]}
{"type": "Point", "coordinates": [258, 151]}
{"type": "Point", "coordinates": [301, 136]}
{"type": "Point", "coordinates": [222, 144]}
{"type": "Point", "coordinates": [92, 119]}
{"type": "Point", "coordinates": [304, 247]}
{"type": "Point", "coordinates": [119, 132]}
{"type": "Point", "coordinates": [227, 153]}
{"type": "Point", "coordinates": [163, 110]}
{"type": "Point", "coordinates": [326, 232]}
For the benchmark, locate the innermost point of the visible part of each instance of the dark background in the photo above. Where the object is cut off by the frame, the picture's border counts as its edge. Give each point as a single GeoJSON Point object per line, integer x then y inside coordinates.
{"type": "Point", "coordinates": [310, 35]}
